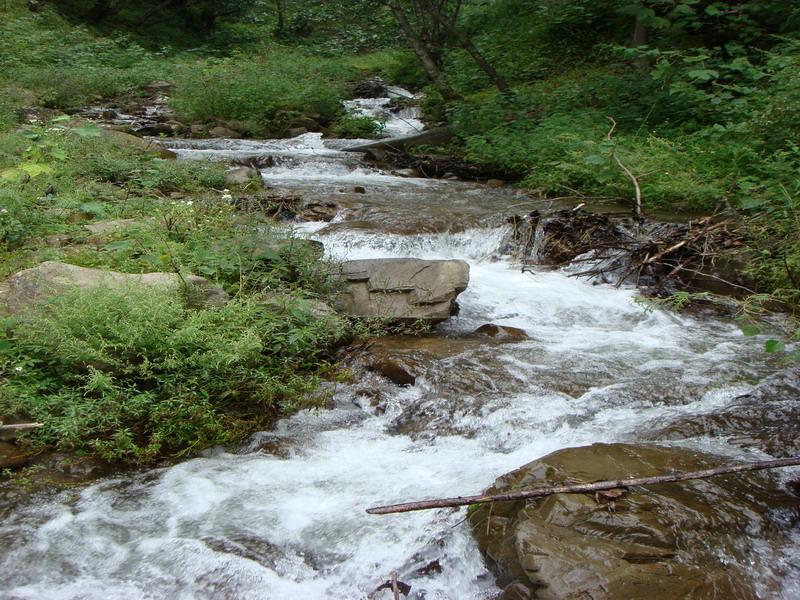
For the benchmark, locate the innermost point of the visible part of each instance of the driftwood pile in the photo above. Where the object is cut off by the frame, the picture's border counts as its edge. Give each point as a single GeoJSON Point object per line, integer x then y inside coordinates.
{"type": "Point", "coordinates": [657, 256]}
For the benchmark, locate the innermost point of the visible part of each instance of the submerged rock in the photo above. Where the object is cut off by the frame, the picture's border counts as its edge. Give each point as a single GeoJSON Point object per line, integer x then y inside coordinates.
{"type": "Point", "coordinates": [404, 289]}
{"type": "Point", "coordinates": [11, 457]}
{"type": "Point", "coordinates": [52, 278]}
{"type": "Point", "coordinates": [677, 540]}
{"type": "Point", "coordinates": [767, 418]}
{"type": "Point", "coordinates": [501, 332]}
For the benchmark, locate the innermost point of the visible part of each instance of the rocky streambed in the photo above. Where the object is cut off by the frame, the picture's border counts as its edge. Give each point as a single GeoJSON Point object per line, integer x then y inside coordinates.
{"type": "Point", "coordinates": [536, 366]}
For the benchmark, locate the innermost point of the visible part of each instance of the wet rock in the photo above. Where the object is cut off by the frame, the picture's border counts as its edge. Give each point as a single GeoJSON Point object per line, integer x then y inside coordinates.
{"type": "Point", "coordinates": [221, 131]}
{"type": "Point", "coordinates": [58, 468]}
{"type": "Point", "coordinates": [394, 370]}
{"type": "Point", "coordinates": [132, 142]}
{"type": "Point", "coordinates": [156, 129]}
{"type": "Point", "coordinates": [407, 173]}
{"type": "Point", "coordinates": [495, 183]}
{"type": "Point", "coordinates": [297, 131]}
{"type": "Point", "coordinates": [198, 130]}
{"type": "Point", "coordinates": [405, 289]}
{"type": "Point", "coordinates": [767, 418]}
{"type": "Point", "coordinates": [360, 189]}
{"type": "Point", "coordinates": [501, 331]}
{"type": "Point", "coordinates": [51, 278]}
{"type": "Point", "coordinates": [37, 114]}
{"type": "Point", "coordinates": [374, 87]}
{"type": "Point", "coordinates": [516, 591]}
{"type": "Point", "coordinates": [319, 211]}
{"type": "Point", "coordinates": [678, 540]}
{"type": "Point", "coordinates": [243, 176]}
{"type": "Point", "coordinates": [11, 457]}
{"type": "Point", "coordinates": [238, 126]}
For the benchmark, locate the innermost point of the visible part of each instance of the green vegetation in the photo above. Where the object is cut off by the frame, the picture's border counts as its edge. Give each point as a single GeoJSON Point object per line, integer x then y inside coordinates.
{"type": "Point", "coordinates": [135, 374]}
{"type": "Point", "coordinates": [704, 96]}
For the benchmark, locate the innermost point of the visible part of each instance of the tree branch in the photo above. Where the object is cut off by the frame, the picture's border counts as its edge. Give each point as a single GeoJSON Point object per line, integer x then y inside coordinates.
{"type": "Point", "coordinates": [582, 488]}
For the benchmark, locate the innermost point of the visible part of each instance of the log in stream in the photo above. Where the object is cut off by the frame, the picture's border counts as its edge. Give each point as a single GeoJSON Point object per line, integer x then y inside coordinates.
{"type": "Point", "coordinates": [597, 486]}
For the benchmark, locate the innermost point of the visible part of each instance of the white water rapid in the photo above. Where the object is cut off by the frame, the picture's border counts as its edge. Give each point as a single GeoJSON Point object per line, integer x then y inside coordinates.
{"type": "Point", "coordinates": [283, 518]}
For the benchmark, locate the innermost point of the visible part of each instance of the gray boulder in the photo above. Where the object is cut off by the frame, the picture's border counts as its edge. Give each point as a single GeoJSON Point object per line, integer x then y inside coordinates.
{"type": "Point", "coordinates": [243, 176]}
{"type": "Point", "coordinates": [31, 286]}
{"type": "Point", "coordinates": [404, 289]}
{"type": "Point", "coordinates": [220, 131]}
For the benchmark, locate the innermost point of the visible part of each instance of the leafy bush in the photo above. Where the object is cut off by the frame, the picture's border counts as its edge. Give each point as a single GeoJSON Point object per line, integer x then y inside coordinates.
{"type": "Point", "coordinates": [354, 126]}
{"type": "Point", "coordinates": [253, 90]}
{"type": "Point", "coordinates": [133, 373]}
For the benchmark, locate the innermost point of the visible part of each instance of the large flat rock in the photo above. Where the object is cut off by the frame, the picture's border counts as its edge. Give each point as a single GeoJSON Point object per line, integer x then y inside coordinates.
{"type": "Point", "coordinates": [48, 279]}
{"type": "Point", "coordinates": [695, 539]}
{"type": "Point", "coordinates": [405, 289]}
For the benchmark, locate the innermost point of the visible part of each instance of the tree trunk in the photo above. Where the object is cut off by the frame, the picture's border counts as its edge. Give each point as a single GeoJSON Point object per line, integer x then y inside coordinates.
{"type": "Point", "coordinates": [280, 8]}
{"type": "Point", "coordinates": [437, 77]}
{"type": "Point", "coordinates": [641, 37]}
{"type": "Point", "coordinates": [101, 10]}
{"type": "Point", "coordinates": [466, 43]}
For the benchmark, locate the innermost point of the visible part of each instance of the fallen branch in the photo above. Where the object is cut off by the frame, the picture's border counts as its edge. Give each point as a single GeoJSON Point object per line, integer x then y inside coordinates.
{"type": "Point", "coordinates": [10, 432]}
{"type": "Point", "coordinates": [582, 488]}
{"type": "Point", "coordinates": [627, 171]}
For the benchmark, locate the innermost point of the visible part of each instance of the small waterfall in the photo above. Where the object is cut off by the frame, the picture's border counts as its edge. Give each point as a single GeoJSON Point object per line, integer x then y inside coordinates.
{"type": "Point", "coordinates": [395, 121]}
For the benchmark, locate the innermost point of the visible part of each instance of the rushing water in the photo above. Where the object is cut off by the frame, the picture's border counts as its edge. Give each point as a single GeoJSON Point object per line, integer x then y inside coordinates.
{"type": "Point", "coordinates": [283, 518]}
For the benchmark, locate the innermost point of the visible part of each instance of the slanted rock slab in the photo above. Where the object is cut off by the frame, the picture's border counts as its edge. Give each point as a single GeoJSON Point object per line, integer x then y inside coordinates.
{"type": "Point", "coordinates": [403, 289]}
{"type": "Point", "coordinates": [679, 540]}
{"type": "Point", "coordinates": [35, 285]}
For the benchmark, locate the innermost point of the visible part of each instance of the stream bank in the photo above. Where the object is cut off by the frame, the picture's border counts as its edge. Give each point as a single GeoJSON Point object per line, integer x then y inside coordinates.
{"type": "Point", "coordinates": [282, 516]}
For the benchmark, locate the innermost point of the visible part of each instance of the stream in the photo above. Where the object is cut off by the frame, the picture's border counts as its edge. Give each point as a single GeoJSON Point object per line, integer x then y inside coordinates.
{"type": "Point", "coordinates": [283, 517]}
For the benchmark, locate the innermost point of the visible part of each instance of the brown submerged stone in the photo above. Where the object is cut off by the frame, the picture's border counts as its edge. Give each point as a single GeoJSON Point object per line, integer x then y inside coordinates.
{"type": "Point", "coordinates": [681, 540]}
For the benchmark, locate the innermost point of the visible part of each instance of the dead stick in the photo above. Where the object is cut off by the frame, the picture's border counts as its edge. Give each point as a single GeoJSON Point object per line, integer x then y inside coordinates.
{"type": "Point", "coordinates": [582, 488]}
{"type": "Point", "coordinates": [9, 432]}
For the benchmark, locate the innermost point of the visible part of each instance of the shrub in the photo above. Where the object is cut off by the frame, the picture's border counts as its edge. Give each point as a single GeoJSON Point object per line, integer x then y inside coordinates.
{"type": "Point", "coordinates": [133, 373]}
{"type": "Point", "coordinates": [354, 126]}
{"type": "Point", "coordinates": [253, 90]}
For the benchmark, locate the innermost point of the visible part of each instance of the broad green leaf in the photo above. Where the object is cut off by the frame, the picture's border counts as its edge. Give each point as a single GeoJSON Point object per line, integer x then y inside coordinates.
{"type": "Point", "coordinates": [35, 169]}
{"type": "Point", "coordinates": [750, 203]}
{"type": "Point", "coordinates": [749, 329]}
{"type": "Point", "coordinates": [60, 119]}
{"type": "Point", "coordinates": [10, 174]}
{"type": "Point", "coordinates": [703, 74]}
{"type": "Point", "coordinates": [774, 346]}
{"type": "Point", "coordinates": [595, 159]}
